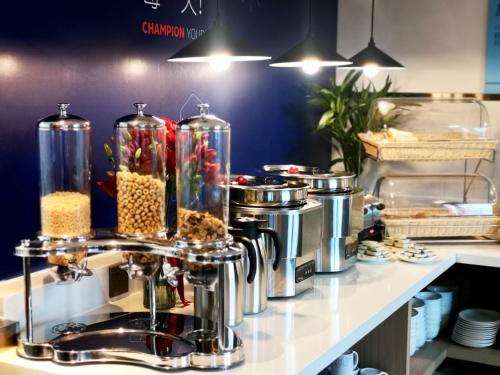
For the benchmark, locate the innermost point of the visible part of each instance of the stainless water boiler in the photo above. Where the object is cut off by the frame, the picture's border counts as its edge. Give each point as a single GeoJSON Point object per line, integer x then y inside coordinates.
{"type": "Point", "coordinates": [296, 219]}
{"type": "Point", "coordinates": [343, 214]}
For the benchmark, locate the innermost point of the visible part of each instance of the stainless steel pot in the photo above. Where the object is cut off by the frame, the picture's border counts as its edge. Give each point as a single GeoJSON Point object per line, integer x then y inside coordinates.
{"type": "Point", "coordinates": [342, 206]}
{"type": "Point", "coordinates": [298, 226]}
{"type": "Point", "coordinates": [319, 181]}
{"type": "Point", "coordinates": [266, 192]}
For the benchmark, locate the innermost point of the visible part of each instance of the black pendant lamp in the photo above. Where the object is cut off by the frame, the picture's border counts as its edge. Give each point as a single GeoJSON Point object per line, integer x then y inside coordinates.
{"type": "Point", "coordinates": [371, 59]}
{"type": "Point", "coordinates": [310, 54]}
{"type": "Point", "coordinates": [218, 47]}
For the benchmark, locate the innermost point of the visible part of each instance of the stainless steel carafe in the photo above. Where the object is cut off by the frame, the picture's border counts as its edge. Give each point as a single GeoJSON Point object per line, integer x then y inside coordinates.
{"type": "Point", "coordinates": [235, 276]}
{"type": "Point", "coordinates": [255, 300]}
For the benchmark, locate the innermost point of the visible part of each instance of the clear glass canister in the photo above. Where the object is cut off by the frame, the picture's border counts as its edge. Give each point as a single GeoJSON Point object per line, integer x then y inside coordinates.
{"type": "Point", "coordinates": [140, 178]}
{"type": "Point", "coordinates": [64, 152]}
{"type": "Point", "coordinates": [203, 177]}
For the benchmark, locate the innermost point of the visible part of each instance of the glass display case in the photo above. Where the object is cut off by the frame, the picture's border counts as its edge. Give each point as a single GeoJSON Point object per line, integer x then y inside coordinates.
{"type": "Point", "coordinates": [64, 152]}
{"type": "Point", "coordinates": [449, 205]}
{"type": "Point", "coordinates": [427, 129]}
{"type": "Point", "coordinates": [203, 177]}
{"type": "Point", "coordinates": [140, 178]}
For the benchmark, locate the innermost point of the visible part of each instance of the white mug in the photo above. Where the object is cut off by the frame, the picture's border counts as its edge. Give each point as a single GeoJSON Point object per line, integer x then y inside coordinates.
{"type": "Point", "coordinates": [345, 364]}
{"type": "Point", "coordinates": [372, 371]}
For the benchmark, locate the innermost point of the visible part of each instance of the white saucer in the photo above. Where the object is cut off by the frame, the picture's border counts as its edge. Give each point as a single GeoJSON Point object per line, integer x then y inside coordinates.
{"type": "Point", "coordinates": [402, 256]}
{"type": "Point", "coordinates": [375, 260]}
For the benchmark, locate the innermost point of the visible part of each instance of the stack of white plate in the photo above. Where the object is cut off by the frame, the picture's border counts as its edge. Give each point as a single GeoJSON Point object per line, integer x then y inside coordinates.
{"type": "Point", "coordinates": [476, 328]}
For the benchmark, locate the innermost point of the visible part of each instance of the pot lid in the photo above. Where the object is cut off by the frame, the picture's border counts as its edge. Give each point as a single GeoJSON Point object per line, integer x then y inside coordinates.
{"type": "Point", "coordinates": [63, 120]}
{"type": "Point", "coordinates": [203, 121]}
{"type": "Point", "coordinates": [267, 191]}
{"type": "Point", "coordinates": [319, 181]}
{"type": "Point", "coordinates": [140, 119]}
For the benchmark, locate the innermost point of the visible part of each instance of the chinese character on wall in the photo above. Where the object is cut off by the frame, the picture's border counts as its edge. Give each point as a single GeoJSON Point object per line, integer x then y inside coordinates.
{"type": "Point", "coordinates": [154, 3]}
{"type": "Point", "coordinates": [190, 8]}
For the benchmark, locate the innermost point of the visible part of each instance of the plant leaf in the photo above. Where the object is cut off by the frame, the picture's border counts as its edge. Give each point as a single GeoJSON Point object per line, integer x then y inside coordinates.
{"type": "Point", "coordinates": [325, 120]}
{"type": "Point", "coordinates": [137, 154]}
{"type": "Point", "coordinates": [335, 161]}
{"type": "Point", "coordinates": [108, 151]}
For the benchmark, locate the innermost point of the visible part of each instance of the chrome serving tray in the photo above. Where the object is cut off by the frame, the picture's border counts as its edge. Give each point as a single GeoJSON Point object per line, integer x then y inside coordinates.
{"type": "Point", "coordinates": [176, 342]}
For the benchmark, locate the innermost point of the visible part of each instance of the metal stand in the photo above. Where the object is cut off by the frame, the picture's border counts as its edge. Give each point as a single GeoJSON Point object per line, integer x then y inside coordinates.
{"type": "Point", "coordinates": [28, 299]}
{"type": "Point", "coordinates": [157, 340]}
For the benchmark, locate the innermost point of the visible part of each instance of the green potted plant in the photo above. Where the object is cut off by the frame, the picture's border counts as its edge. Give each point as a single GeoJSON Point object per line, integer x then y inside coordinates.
{"type": "Point", "coordinates": [346, 108]}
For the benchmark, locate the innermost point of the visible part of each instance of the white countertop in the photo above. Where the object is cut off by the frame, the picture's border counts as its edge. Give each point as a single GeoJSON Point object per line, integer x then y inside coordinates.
{"type": "Point", "coordinates": [303, 335]}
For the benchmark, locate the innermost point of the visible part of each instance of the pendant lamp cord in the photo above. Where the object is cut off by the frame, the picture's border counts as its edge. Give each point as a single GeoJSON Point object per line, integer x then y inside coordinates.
{"type": "Point", "coordinates": [373, 17]}
{"type": "Point", "coordinates": [309, 30]}
{"type": "Point", "coordinates": [217, 14]}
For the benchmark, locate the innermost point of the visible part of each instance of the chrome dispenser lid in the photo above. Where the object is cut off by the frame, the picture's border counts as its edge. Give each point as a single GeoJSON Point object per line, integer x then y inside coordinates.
{"type": "Point", "coordinates": [140, 119]}
{"type": "Point", "coordinates": [319, 181]}
{"type": "Point", "coordinates": [267, 192]}
{"type": "Point", "coordinates": [63, 120]}
{"type": "Point", "coordinates": [204, 121]}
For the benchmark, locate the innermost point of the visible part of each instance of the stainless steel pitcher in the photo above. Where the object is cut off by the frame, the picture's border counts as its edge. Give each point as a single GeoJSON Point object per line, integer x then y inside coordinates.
{"type": "Point", "coordinates": [255, 300]}
{"type": "Point", "coordinates": [234, 277]}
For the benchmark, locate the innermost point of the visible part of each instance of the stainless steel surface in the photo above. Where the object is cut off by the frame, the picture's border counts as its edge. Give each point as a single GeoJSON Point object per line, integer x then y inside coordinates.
{"type": "Point", "coordinates": [343, 219]}
{"type": "Point", "coordinates": [9, 331]}
{"type": "Point", "coordinates": [373, 207]}
{"type": "Point", "coordinates": [260, 192]}
{"type": "Point", "coordinates": [105, 241]}
{"type": "Point", "coordinates": [336, 254]}
{"type": "Point", "coordinates": [139, 119]}
{"type": "Point", "coordinates": [176, 343]}
{"type": "Point", "coordinates": [28, 299]}
{"type": "Point", "coordinates": [202, 264]}
{"type": "Point", "coordinates": [337, 210]}
{"type": "Point", "coordinates": [300, 231]}
{"type": "Point", "coordinates": [204, 121]}
{"type": "Point", "coordinates": [318, 180]}
{"type": "Point", "coordinates": [234, 280]}
{"type": "Point", "coordinates": [255, 300]}
{"type": "Point", "coordinates": [63, 121]}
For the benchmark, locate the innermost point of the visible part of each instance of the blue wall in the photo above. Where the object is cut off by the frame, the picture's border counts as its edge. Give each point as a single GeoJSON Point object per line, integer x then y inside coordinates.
{"type": "Point", "coordinates": [95, 55]}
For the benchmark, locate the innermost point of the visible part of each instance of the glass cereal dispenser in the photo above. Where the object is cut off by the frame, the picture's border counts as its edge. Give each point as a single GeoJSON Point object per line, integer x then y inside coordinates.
{"type": "Point", "coordinates": [64, 154]}
{"type": "Point", "coordinates": [202, 150]}
{"type": "Point", "coordinates": [140, 176]}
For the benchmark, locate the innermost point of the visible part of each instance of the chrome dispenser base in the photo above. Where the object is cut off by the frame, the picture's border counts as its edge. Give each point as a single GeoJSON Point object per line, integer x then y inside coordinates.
{"type": "Point", "coordinates": [178, 341]}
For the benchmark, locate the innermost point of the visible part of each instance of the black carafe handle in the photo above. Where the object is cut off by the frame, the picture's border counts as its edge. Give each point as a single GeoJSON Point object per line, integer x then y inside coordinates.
{"type": "Point", "coordinates": [252, 257]}
{"type": "Point", "coordinates": [277, 245]}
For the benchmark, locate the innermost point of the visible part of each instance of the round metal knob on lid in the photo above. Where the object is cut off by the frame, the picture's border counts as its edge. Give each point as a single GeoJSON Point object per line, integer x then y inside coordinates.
{"type": "Point", "coordinates": [319, 181]}
{"type": "Point", "coordinates": [203, 121]}
{"type": "Point", "coordinates": [140, 119]}
{"type": "Point", "coordinates": [266, 192]}
{"type": "Point", "coordinates": [63, 120]}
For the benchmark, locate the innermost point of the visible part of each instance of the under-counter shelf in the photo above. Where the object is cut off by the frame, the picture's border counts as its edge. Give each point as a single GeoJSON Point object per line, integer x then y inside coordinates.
{"type": "Point", "coordinates": [428, 358]}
